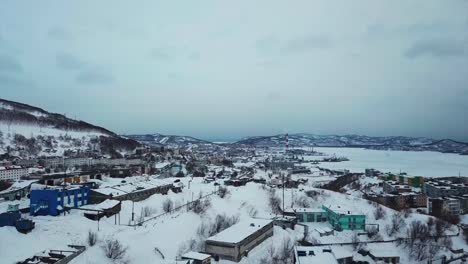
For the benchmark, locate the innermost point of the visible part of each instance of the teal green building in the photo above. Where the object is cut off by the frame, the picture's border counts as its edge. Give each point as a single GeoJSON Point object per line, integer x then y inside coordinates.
{"type": "Point", "coordinates": [308, 215]}
{"type": "Point", "coordinates": [338, 218]}
{"type": "Point", "coordinates": [344, 220]}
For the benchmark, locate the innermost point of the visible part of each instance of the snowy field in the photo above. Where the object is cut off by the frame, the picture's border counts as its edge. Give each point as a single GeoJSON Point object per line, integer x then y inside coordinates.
{"type": "Point", "coordinates": [425, 163]}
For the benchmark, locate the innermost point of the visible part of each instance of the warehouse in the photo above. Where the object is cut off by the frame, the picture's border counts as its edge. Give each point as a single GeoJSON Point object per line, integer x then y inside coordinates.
{"type": "Point", "coordinates": [136, 191]}
{"type": "Point", "coordinates": [235, 242]}
{"type": "Point", "coordinates": [53, 201]}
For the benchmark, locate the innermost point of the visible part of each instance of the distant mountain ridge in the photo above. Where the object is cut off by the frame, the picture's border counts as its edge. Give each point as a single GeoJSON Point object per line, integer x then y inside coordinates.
{"type": "Point", "coordinates": [389, 143]}
{"type": "Point", "coordinates": [169, 140]}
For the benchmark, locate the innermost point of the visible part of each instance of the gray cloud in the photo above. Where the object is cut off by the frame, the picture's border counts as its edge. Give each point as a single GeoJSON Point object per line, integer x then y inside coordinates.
{"type": "Point", "coordinates": [59, 33]}
{"type": "Point", "coordinates": [9, 64]}
{"type": "Point", "coordinates": [267, 44]}
{"type": "Point", "coordinates": [312, 66]}
{"type": "Point", "coordinates": [94, 77]}
{"type": "Point", "coordinates": [194, 56]}
{"type": "Point", "coordinates": [68, 61]}
{"type": "Point", "coordinates": [435, 48]}
{"type": "Point", "coordinates": [164, 54]}
{"type": "Point", "coordinates": [307, 43]}
{"type": "Point", "coordinates": [8, 81]}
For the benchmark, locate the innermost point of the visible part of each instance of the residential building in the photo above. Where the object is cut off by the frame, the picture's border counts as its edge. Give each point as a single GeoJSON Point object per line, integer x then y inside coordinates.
{"type": "Point", "coordinates": [395, 187]}
{"type": "Point", "coordinates": [236, 241]}
{"type": "Point", "coordinates": [12, 173]}
{"type": "Point", "coordinates": [399, 201]}
{"type": "Point", "coordinates": [443, 205]}
{"type": "Point", "coordinates": [443, 188]}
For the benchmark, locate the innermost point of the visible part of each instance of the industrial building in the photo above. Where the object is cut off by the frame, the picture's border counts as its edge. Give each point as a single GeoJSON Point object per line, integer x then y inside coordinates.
{"type": "Point", "coordinates": [337, 217]}
{"type": "Point", "coordinates": [341, 219]}
{"type": "Point", "coordinates": [306, 215]}
{"type": "Point", "coordinates": [53, 201]}
{"type": "Point", "coordinates": [236, 242]}
{"type": "Point", "coordinates": [134, 191]}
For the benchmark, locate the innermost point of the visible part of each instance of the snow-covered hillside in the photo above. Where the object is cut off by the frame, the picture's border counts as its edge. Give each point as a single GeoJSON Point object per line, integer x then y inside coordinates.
{"type": "Point", "coordinates": [28, 131]}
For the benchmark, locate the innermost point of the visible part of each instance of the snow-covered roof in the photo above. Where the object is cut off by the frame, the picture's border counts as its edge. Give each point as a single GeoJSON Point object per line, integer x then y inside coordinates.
{"type": "Point", "coordinates": [240, 231]}
{"type": "Point", "coordinates": [315, 255]}
{"type": "Point", "coordinates": [17, 185]}
{"type": "Point", "coordinates": [196, 256]}
{"type": "Point", "coordinates": [304, 210]}
{"type": "Point", "coordinates": [383, 250]}
{"type": "Point", "coordinates": [129, 187]}
{"type": "Point", "coordinates": [107, 204]}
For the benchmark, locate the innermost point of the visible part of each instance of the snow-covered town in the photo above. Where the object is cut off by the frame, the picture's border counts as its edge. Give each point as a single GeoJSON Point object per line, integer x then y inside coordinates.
{"type": "Point", "coordinates": [223, 204]}
{"type": "Point", "coordinates": [233, 132]}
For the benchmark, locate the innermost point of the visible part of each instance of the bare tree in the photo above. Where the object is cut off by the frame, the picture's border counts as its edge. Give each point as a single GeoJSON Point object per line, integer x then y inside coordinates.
{"type": "Point", "coordinates": [274, 202]}
{"type": "Point", "coordinates": [396, 224]}
{"type": "Point", "coordinates": [440, 227]}
{"type": "Point", "coordinates": [355, 240]}
{"type": "Point", "coordinates": [379, 212]}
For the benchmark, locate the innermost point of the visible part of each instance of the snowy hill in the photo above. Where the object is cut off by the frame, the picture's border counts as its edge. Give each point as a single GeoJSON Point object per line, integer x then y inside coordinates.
{"type": "Point", "coordinates": [391, 143]}
{"type": "Point", "coordinates": [29, 131]}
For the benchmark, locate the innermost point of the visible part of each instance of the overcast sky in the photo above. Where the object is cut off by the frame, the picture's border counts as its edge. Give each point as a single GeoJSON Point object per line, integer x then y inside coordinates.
{"type": "Point", "coordinates": [227, 69]}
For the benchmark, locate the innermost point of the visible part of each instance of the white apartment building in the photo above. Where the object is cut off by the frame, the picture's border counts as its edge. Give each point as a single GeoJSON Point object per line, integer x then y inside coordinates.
{"type": "Point", "coordinates": [12, 173]}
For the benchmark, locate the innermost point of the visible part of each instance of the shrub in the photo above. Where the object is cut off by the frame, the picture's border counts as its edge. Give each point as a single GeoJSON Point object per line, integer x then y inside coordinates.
{"type": "Point", "coordinates": [372, 231]}
{"type": "Point", "coordinates": [147, 211]}
{"type": "Point", "coordinates": [200, 206]}
{"type": "Point", "coordinates": [223, 192]}
{"type": "Point", "coordinates": [92, 238]}
{"type": "Point", "coordinates": [252, 211]}
{"type": "Point", "coordinates": [114, 249]}
{"type": "Point", "coordinates": [168, 205]}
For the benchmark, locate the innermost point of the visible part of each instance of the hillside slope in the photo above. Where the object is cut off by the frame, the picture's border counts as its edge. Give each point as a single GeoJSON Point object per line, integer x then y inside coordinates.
{"type": "Point", "coordinates": [29, 131]}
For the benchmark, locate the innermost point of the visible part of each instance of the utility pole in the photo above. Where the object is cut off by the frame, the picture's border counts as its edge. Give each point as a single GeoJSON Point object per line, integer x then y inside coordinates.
{"type": "Point", "coordinates": [133, 212]}
{"type": "Point", "coordinates": [283, 194]}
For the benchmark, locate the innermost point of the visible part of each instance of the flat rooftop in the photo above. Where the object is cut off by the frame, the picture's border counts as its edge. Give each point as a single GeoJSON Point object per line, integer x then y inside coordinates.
{"type": "Point", "coordinates": [240, 231]}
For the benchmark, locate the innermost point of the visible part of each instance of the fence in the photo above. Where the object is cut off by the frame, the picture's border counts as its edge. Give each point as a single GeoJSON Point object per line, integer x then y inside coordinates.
{"type": "Point", "coordinates": [187, 205]}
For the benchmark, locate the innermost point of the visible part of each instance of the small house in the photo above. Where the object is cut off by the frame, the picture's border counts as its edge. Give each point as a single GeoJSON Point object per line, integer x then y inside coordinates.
{"type": "Point", "coordinates": [197, 258]}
